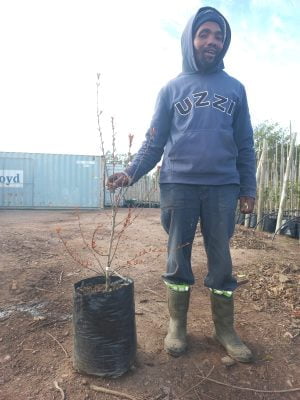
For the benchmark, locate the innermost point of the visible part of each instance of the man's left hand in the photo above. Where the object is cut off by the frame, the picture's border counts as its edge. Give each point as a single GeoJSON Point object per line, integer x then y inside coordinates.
{"type": "Point", "coordinates": [247, 204]}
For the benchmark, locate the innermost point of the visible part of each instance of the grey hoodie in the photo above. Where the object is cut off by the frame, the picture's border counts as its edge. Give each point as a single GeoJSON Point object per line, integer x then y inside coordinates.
{"type": "Point", "coordinates": [201, 125]}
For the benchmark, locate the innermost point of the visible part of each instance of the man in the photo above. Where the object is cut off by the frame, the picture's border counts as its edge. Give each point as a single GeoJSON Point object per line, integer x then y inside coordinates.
{"type": "Point", "coordinates": [201, 126]}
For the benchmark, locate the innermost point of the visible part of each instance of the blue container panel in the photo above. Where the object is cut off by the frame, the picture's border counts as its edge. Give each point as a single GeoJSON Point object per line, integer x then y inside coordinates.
{"type": "Point", "coordinates": [70, 181]}
{"type": "Point", "coordinates": [16, 182]}
{"type": "Point", "coordinates": [50, 180]}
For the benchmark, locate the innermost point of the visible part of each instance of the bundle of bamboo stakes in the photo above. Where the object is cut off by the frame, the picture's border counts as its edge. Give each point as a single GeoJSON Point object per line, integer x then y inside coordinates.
{"type": "Point", "coordinates": [278, 182]}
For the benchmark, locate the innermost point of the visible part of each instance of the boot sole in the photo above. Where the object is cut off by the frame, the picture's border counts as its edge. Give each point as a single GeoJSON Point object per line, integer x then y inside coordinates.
{"type": "Point", "coordinates": [175, 353]}
{"type": "Point", "coordinates": [242, 360]}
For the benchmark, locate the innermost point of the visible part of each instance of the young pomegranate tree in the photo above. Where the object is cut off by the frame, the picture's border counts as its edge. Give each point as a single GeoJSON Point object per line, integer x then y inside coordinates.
{"type": "Point", "coordinates": [101, 245]}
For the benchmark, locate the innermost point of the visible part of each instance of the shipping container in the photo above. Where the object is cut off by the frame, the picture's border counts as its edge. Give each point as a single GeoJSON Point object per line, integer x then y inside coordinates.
{"type": "Point", "coordinates": [35, 180]}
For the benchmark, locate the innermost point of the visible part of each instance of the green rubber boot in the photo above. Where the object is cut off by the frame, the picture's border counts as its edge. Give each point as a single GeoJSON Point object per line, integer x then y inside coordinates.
{"type": "Point", "coordinates": [178, 304]}
{"type": "Point", "coordinates": [222, 312]}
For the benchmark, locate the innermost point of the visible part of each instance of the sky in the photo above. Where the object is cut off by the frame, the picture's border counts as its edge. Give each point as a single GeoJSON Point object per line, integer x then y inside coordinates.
{"type": "Point", "coordinates": [52, 51]}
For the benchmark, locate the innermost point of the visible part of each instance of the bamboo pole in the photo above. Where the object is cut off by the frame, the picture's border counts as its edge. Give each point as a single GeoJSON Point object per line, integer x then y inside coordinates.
{"type": "Point", "coordinates": [259, 157]}
{"type": "Point", "coordinates": [292, 185]}
{"type": "Point", "coordinates": [260, 205]}
{"type": "Point", "coordinates": [273, 184]}
{"type": "Point", "coordinates": [281, 166]}
{"type": "Point", "coordinates": [298, 186]}
{"type": "Point", "coordinates": [276, 178]}
{"type": "Point", "coordinates": [266, 184]}
{"type": "Point", "coordinates": [285, 181]}
{"type": "Point", "coordinates": [259, 168]}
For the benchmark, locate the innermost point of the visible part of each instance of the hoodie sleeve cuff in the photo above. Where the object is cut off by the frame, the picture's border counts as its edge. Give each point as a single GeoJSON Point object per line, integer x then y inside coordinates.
{"type": "Point", "coordinates": [244, 193]}
{"type": "Point", "coordinates": [130, 180]}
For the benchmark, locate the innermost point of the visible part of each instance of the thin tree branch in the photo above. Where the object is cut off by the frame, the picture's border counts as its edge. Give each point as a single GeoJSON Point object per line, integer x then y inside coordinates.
{"type": "Point", "coordinates": [206, 378]}
{"type": "Point", "coordinates": [90, 248]}
{"type": "Point", "coordinates": [64, 350]}
{"type": "Point", "coordinates": [59, 389]}
{"type": "Point", "coordinates": [113, 392]}
{"type": "Point", "coordinates": [198, 384]}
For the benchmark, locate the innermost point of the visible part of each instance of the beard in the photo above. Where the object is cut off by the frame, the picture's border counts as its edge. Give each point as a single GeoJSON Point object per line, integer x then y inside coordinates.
{"type": "Point", "coordinates": [206, 60]}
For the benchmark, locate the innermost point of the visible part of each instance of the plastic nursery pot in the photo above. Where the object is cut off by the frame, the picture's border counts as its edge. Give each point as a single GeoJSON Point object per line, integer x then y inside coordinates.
{"type": "Point", "coordinates": [289, 228]}
{"type": "Point", "coordinates": [253, 220]}
{"type": "Point", "coordinates": [269, 223]}
{"type": "Point", "coordinates": [104, 327]}
{"type": "Point", "coordinates": [240, 219]}
{"type": "Point", "coordinates": [298, 230]}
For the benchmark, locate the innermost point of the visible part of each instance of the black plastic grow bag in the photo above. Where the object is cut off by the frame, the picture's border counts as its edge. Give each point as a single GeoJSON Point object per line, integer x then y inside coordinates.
{"type": "Point", "coordinates": [104, 328]}
{"type": "Point", "coordinates": [297, 230]}
{"type": "Point", "coordinates": [253, 220]}
{"type": "Point", "coordinates": [240, 219]}
{"type": "Point", "coordinates": [290, 228]}
{"type": "Point", "coordinates": [269, 223]}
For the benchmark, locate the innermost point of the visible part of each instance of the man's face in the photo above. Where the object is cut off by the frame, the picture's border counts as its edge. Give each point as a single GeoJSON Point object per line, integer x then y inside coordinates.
{"type": "Point", "coordinates": [208, 43]}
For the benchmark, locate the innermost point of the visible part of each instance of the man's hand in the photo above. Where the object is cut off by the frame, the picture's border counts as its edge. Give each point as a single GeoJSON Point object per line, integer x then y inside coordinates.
{"type": "Point", "coordinates": [246, 204]}
{"type": "Point", "coordinates": [116, 180]}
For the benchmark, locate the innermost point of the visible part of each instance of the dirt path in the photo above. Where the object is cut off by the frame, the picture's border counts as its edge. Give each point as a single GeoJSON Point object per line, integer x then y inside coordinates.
{"type": "Point", "coordinates": [37, 278]}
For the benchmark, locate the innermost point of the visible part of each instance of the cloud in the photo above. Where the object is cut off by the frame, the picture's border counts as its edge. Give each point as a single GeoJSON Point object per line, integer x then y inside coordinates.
{"type": "Point", "coordinates": [277, 22]}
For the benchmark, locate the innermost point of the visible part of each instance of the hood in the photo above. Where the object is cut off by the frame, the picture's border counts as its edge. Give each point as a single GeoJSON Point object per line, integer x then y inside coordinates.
{"type": "Point", "coordinates": [188, 60]}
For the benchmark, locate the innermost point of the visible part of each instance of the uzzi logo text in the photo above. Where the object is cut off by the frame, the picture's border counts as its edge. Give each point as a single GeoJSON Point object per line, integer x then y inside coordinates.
{"type": "Point", "coordinates": [200, 99]}
{"type": "Point", "coordinates": [11, 178]}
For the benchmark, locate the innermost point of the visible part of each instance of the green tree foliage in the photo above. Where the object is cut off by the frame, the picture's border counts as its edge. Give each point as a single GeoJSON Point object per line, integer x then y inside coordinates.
{"type": "Point", "coordinates": [278, 138]}
{"type": "Point", "coordinates": [273, 133]}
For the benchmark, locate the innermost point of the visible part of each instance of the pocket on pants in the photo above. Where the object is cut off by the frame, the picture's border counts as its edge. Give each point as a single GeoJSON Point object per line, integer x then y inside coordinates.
{"type": "Point", "coordinates": [172, 195]}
